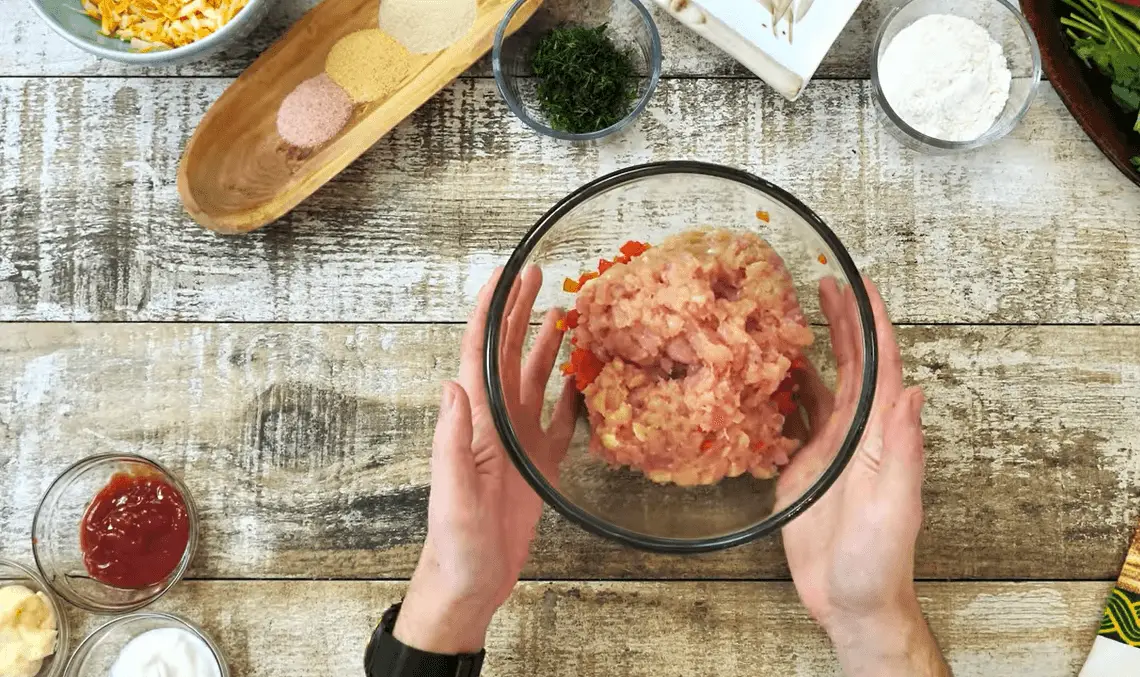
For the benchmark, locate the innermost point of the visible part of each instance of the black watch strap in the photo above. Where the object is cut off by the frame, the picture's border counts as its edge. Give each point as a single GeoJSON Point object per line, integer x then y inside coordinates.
{"type": "Point", "coordinates": [386, 656]}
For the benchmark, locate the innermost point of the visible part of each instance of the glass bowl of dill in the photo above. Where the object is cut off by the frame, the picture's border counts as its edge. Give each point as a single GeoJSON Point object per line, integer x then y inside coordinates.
{"type": "Point", "coordinates": [578, 79]}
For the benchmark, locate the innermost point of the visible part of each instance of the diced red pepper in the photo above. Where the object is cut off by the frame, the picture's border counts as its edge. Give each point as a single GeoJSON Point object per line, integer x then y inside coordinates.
{"type": "Point", "coordinates": [633, 248]}
{"type": "Point", "coordinates": [604, 265]}
{"type": "Point", "coordinates": [587, 367]}
{"type": "Point", "coordinates": [823, 259]}
{"type": "Point", "coordinates": [706, 445]}
{"type": "Point", "coordinates": [586, 277]}
{"type": "Point", "coordinates": [572, 318]}
{"type": "Point", "coordinates": [622, 259]}
{"type": "Point", "coordinates": [567, 369]}
{"type": "Point", "coordinates": [571, 286]}
{"type": "Point", "coordinates": [763, 216]}
{"type": "Point", "coordinates": [799, 363]}
{"type": "Point", "coordinates": [785, 402]}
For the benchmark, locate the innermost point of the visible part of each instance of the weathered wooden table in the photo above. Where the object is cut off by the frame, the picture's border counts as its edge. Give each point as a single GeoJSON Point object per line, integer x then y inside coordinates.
{"type": "Point", "coordinates": [291, 376]}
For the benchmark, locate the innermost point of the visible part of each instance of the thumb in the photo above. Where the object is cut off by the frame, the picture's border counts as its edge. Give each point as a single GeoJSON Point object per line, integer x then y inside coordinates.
{"type": "Point", "coordinates": [903, 454]}
{"type": "Point", "coordinates": [452, 462]}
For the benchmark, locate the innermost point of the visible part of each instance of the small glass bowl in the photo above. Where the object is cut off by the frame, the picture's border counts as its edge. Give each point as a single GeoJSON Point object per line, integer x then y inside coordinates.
{"type": "Point", "coordinates": [631, 27]}
{"type": "Point", "coordinates": [1006, 25]}
{"type": "Point", "coordinates": [14, 573]}
{"type": "Point", "coordinates": [56, 530]}
{"type": "Point", "coordinates": [99, 650]}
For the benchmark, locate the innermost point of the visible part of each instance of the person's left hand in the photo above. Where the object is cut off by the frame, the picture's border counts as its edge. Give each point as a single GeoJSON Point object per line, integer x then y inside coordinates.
{"type": "Point", "coordinates": [482, 514]}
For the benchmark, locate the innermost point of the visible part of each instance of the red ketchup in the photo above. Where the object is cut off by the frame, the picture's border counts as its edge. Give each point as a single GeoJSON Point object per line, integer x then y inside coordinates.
{"type": "Point", "coordinates": [135, 531]}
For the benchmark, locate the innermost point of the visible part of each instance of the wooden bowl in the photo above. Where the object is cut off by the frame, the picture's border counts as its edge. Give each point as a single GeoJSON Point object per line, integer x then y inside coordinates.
{"type": "Point", "coordinates": [238, 175]}
{"type": "Point", "coordinates": [1083, 90]}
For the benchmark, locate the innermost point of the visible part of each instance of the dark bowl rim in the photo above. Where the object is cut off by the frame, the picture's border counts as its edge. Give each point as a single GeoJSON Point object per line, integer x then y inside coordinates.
{"type": "Point", "coordinates": [1070, 79]}
{"type": "Point", "coordinates": [577, 515]}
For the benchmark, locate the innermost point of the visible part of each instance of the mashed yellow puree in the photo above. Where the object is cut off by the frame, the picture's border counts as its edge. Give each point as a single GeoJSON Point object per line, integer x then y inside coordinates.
{"type": "Point", "coordinates": [27, 631]}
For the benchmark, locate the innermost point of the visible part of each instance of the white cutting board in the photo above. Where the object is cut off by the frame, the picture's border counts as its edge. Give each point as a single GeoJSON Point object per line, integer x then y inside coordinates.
{"type": "Point", "coordinates": [787, 57]}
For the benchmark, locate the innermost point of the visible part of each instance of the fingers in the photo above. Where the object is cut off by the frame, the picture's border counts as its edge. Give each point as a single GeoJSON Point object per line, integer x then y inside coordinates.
{"type": "Point", "coordinates": [842, 318]}
{"type": "Point", "coordinates": [903, 454]}
{"type": "Point", "coordinates": [540, 361]}
{"type": "Point", "coordinates": [815, 396]}
{"type": "Point", "coordinates": [890, 378]}
{"type": "Point", "coordinates": [561, 429]}
{"type": "Point", "coordinates": [525, 292]}
{"type": "Point", "coordinates": [453, 476]}
{"type": "Point", "coordinates": [838, 316]}
{"type": "Point", "coordinates": [519, 317]}
{"type": "Point", "coordinates": [471, 350]}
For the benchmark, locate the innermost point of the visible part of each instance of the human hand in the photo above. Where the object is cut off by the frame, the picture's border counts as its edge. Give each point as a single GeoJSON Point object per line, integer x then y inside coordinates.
{"type": "Point", "coordinates": [852, 553]}
{"type": "Point", "coordinates": [481, 513]}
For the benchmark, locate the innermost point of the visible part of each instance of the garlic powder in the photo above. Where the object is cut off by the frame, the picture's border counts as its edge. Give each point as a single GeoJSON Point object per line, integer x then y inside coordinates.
{"type": "Point", "coordinates": [946, 77]}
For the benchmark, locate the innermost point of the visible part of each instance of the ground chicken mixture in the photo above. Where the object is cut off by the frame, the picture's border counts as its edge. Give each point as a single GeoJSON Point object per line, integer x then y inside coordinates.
{"type": "Point", "coordinates": [683, 353]}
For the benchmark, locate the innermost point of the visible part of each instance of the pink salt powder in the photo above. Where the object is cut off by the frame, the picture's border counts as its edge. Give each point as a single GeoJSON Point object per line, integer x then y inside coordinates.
{"type": "Point", "coordinates": [314, 112]}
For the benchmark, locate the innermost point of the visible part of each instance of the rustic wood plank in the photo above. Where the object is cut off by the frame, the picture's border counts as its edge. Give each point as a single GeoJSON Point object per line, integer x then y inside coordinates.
{"type": "Point", "coordinates": [29, 47]}
{"type": "Point", "coordinates": [1038, 228]}
{"type": "Point", "coordinates": [307, 445]}
{"type": "Point", "coordinates": [297, 629]}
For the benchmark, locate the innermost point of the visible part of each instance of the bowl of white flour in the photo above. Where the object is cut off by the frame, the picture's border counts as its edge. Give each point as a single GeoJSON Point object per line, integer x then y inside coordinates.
{"type": "Point", "coordinates": [954, 75]}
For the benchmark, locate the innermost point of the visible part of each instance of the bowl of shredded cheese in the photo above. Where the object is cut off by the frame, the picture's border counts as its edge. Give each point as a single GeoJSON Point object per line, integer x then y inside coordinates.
{"type": "Point", "coordinates": [152, 32]}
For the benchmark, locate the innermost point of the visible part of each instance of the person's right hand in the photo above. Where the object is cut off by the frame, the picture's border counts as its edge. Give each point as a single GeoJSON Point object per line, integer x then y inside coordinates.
{"type": "Point", "coordinates": [482, 513]}
{"type": "Point", "coordinates": [852, 553]}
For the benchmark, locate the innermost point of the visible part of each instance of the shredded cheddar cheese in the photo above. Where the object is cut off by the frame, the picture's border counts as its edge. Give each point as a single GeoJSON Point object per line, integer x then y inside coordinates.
{"type": "Point", "coordinates": [157, 24]}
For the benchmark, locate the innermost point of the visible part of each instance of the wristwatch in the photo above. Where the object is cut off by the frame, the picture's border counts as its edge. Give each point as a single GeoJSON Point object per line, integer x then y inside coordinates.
{"type": "Point", "coordinates": [386, 656]}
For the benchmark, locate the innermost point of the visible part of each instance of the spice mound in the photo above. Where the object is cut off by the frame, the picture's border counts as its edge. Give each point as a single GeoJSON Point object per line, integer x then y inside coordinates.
{"type": "Point", "coordinates": [426, 26]}
{"type": "Point", "coordinates": [135, 531]}
{"type": "Point", "coordinates": [368, 64]}
{"type": "Point", "coordinates": [585, 82]}
{"type": "Point", "coordinates": [314, 112]}
{"type": "Point", "coordinates": [27, 631]}
{"type": "Point", "coordinates": [160, 24]}
{"type": "Point", "coordinates": [946, 77]}
{"type": "Point", "coordinates": [166, 652]}
{"type": "Point", "coordinates": [684, 354]}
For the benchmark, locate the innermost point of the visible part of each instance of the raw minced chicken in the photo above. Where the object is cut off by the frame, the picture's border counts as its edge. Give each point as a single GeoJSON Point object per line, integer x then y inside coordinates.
{"type": "Point", "coordinates": [695, 340]}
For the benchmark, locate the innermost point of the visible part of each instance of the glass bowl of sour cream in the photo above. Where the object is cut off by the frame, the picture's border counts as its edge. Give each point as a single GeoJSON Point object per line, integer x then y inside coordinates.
{"type": "Point", "coordinates": [133, 644]}
{"type": "Point", "coordinates": [954, 75]}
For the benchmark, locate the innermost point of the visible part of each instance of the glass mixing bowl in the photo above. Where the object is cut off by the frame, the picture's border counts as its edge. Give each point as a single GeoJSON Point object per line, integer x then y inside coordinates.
{"type": "Point", "coordinates": [648, 203]}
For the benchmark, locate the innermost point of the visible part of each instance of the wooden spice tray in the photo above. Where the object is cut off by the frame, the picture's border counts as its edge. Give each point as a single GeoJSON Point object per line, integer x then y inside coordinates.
{"type": "Point", "coordinates": [236, 173]}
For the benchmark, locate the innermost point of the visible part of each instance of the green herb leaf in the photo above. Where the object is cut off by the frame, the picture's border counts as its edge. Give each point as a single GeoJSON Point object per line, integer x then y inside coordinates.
{"type": "Point", "coordinates": [1127, 99]}
{"type": "Point", "coordinates": [585, 82]}
{"type": "Point", "coordinates": [1114, 58]}
{"type": "Point", "coordinates": [1123, 67]}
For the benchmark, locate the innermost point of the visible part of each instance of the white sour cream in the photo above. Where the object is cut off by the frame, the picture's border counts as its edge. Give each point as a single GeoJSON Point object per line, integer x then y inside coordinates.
{"type": "Point", "coordinates": [166, 652]}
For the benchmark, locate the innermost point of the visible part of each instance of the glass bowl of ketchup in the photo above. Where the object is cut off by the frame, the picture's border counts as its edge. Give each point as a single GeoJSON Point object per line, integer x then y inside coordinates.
{"type": "Point", "coordinates": [114, 532]}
